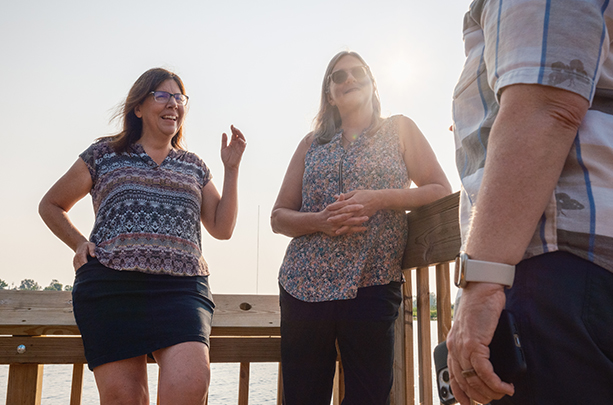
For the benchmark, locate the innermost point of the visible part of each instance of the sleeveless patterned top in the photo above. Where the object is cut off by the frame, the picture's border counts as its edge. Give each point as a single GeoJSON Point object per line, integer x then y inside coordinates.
{"type": "Point", "coordinates": [147, 215]}
{"type": "Point", "coordinates": [318, 267]}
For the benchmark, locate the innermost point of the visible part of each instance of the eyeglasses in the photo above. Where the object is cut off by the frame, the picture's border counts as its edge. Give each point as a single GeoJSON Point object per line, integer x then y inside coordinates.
{"type": "Point", "coordinates": [358, 72]}
{"type": "Point", "coordinates": [164, 97]}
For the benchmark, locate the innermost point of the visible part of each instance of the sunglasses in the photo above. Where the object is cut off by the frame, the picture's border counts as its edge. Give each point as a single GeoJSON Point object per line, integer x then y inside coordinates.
{"type": "Point", "coordinates": [358, 72]}
{"type": "Point", "coordinates": [164, 97]}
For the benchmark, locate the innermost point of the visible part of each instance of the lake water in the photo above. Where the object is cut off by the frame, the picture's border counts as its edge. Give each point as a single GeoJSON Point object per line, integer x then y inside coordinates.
{"type": "Point", "coordinates": [223, 390]}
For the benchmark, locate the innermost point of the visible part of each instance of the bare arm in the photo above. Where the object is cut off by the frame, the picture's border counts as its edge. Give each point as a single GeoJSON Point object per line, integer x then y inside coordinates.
{"type": "Point", "coordinates": [527, 148]}
{"type": "Point", "coordinates": [54, 207]}
{"type": "Point", "coordinates": [286, 217]}
{"type": "Point", "coordinates": [218, 213]}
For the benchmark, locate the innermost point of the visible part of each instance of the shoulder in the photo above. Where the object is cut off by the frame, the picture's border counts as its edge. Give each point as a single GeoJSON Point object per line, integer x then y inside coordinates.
{"type": "Point", "coordinates": [306, 143]}
{"type": "Point", "coordinates": [191, 162]}
{"type": "Point", "coordinates": [189, 156]}
{"type": "Point", "coordinates": [308, 140]}
{"type": "Point", "coordinates": [99, 147]}
{"type": "Point", "coordinates": [407, 131]}
{"type": "Point", "coordinates": [402, 123]}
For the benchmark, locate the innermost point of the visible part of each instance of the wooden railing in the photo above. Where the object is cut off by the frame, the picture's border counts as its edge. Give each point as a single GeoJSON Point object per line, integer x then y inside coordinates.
{"type": "Point", "coordinates": [38, 327]}
{"type": "Point", "coordinates": [434, 240]}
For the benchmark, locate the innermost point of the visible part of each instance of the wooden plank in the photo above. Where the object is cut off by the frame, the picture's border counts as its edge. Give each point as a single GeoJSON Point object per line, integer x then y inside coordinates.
{"type": "Point", "coordinates": [245, 349]}
{"type": "Point", "coordinates": [36, 313]}
{"type": "Point", "coordinates": [42, 350]}
{"type": "Point", "coordinates": [76, 389]}
{"type": "Point", "coordinates": [423, 336]}
{"type": "Point", "coordinates": [50, 313]}
{"type": "Point", "coordinates": [243, 384]}
{"type": "Point", "coordinates": [247, 311]}
{"type": "Point", "coordinates": [409, 351]}
{"type": "Point", "coordinates": [69, 350]}
{"type": "Point", "coordinates": [434, 233]}
{"type": "Point", "coordinates": [25, 384]}
{"type": "Point", "coordinates": [443, 301]}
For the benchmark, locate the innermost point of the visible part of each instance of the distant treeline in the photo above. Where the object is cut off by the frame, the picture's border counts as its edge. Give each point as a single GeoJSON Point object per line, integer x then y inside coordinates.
{"type": "Point", "coordinates": [29, 284]}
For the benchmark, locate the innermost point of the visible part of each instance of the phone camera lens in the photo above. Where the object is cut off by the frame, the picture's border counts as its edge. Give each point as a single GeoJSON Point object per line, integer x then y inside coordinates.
{"type": "Point", "coordinates": [446, 376]}
{"type": "Point", "coordinates": [444, 392]}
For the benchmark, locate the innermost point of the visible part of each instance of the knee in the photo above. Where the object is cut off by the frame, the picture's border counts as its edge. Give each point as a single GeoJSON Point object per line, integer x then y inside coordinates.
{"type": "Point", "coordinates": [191, 385]}
{"type": "Point", "coordinates": [124, 394]}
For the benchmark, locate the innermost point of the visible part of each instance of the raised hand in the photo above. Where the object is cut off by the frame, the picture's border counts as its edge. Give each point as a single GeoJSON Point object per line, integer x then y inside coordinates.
{"type": "Point", "coordinates": [231, 153]}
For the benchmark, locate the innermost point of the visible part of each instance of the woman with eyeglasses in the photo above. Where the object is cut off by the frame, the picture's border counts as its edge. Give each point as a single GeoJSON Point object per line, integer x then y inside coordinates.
{"type": "Point", "coordinates": [141, 286]}
{"type": "Point", "coordinates": [343, 201]}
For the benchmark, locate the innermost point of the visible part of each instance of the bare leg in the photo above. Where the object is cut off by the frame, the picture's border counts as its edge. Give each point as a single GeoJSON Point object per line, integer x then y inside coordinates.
{"type": "Point", "coordinates": [123, 382]}
{"type": "Point", "coordinates": [185, 373]}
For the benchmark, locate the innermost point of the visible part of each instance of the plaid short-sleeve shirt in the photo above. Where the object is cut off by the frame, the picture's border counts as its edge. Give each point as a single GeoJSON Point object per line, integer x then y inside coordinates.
{"type": "Point", "coordinates": [561, 43]}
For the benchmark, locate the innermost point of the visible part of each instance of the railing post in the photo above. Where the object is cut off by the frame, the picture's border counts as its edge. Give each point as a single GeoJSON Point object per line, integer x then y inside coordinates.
{"type": "Point", "coordinates": [409, 351]}
{"type": "Point", "coordinates": [76, 390]}
{"type": "Point", "coordinates": [398, 395]}
{"type": "Point", "coordinates": [243, 384]}
{"type": "Point", "coordinates": [280, 386]}
{"type": "Point", "coordinates": [338, 393]}
{"type": "Point", "coordinates": [443, 301]}
{"type": "Point", "coordinates": [25, 384]}
{"type": "Point", "coordinates": [423, 335]}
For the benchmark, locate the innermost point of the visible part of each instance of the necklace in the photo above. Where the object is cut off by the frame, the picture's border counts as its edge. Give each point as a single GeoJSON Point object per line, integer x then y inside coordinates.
{"type": "Point", "coordinates": [352, 138]}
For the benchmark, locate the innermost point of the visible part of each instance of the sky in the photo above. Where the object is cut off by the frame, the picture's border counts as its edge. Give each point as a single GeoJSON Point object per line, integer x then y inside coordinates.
{"type": "Point", "coordinates": [257, 64]}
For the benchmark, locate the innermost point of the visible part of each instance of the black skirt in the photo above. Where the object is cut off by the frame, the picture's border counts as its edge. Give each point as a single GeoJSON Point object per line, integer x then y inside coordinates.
{"type": "Point", "coordinates": [125, 314]}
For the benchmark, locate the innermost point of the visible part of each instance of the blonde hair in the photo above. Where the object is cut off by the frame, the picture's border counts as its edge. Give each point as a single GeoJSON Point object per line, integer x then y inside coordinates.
{"type": "Point", "coordinates": [328, 120]}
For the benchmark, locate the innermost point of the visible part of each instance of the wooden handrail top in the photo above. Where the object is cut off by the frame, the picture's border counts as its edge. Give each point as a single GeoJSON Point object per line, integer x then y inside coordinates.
{"type": "Point", "coordinates": [36, 313]}
{"type": "Point", "coordinates": [434, 233]}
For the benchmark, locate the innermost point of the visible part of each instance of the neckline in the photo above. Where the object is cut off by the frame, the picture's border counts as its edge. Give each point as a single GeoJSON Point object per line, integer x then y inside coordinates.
{"type": "Point", "coordinates": [142, 153]}
{"type": "Point", "coordinates": [356, 138]}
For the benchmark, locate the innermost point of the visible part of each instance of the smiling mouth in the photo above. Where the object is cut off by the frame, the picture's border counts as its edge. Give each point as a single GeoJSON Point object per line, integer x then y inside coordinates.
{"type": "Point", "coordinates": [169, 117]}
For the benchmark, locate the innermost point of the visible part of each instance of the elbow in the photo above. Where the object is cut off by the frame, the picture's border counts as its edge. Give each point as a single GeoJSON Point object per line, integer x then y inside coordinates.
{"type": "Point", "coordinates": [275, 222]}
{"type": "Point", "coordinates": [567, 117]}
{"type": "Point", "coordinates": [43, 208]}
{"type": "Point", "coordinates": [441, 189]}
{"type": "Point", "coordinates": [223, 235]}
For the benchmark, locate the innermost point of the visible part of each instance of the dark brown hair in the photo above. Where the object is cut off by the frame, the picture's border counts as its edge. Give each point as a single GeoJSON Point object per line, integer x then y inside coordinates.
{"type": "Point", "coordinates": [132, 126]}
{"type": "Point", "coordinates": [328, 120]}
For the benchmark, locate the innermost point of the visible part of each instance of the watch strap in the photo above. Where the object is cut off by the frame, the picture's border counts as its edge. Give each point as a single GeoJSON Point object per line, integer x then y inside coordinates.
{"type": "Point", "coordinates": [489, 272]}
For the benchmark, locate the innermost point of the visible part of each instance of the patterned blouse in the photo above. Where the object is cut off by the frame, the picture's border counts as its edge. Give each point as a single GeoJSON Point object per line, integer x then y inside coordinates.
{"type": "Point", "coordinates": [318, 267]}
{"type": "Point", "coordinates": [147, 215]}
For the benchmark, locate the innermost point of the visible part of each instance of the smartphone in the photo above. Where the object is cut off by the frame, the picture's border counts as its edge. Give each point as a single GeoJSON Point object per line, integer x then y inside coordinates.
{"type": "Point", "coordinates": [506, 356]}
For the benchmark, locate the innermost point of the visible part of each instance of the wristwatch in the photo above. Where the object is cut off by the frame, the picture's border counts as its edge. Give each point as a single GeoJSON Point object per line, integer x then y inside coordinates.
{"type": "Point", "coordinates": [468, 270]}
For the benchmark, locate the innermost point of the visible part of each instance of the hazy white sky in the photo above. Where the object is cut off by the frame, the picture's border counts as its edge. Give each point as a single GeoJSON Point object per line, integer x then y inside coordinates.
{"type": "Point", "coordinates": [255, 64]}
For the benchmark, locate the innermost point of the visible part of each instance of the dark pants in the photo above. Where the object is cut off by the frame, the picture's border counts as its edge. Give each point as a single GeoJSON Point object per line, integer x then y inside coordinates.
{"type": "Point", "coordinates": [564, 307]}
{"type": "Point", "coordinates": [364, 330]}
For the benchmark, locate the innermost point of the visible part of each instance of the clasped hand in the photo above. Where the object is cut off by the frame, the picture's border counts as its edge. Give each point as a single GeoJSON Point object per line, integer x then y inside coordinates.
{"type": "Point", "coordinates": [349, 212]}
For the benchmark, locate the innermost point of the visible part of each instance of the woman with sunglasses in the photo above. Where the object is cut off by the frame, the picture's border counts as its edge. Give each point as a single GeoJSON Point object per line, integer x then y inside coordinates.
{"type": "Point", "coordinates": [343, 201]}
{"type": "Point", "coordinates": [141, 286]}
